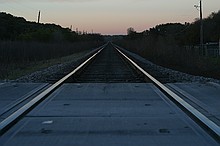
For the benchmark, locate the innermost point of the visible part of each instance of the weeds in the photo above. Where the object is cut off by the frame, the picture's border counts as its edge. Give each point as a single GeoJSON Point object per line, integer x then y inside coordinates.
{"type": "Point", "coordinates": [18, 58]}
{"type": "Point", "coordinates": [164, 53]}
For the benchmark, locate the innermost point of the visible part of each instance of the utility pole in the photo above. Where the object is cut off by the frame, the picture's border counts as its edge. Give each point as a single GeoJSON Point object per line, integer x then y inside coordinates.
{"type": "Point", "coordinates": [201, 26]}
{"type": "Point", "coordinates": [201, 29]}
{"type": "Point", "coordinates": [38, 19]}
{"type": "Point", "coordinates": [219, 47]}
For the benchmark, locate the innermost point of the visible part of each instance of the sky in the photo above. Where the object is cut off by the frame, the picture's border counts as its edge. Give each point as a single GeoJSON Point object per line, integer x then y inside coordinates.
{"type": "Point", "coordinates": [109, 16]}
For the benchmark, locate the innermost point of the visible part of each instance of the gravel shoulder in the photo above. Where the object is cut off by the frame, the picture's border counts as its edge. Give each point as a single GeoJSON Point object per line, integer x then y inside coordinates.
{"type": "Point", "coordinates": [47, 74]}
{"type": "Point", "coordinates": [173, 75]}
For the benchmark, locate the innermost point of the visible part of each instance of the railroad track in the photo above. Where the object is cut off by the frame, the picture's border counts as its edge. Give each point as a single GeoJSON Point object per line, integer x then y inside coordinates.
{"type": "Point", "coordinates": [110, 65]}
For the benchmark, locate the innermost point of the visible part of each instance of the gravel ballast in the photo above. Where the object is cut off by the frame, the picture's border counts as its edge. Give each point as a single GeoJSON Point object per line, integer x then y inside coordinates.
{"type": "Point", "coordinates": [173, 75]}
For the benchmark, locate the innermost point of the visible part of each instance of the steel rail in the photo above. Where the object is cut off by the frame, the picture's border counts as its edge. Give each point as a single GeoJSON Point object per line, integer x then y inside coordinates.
{"type": "Point", "coordinates": [12, 119]}
{"type": "Point", "coordinates": [215, 129]}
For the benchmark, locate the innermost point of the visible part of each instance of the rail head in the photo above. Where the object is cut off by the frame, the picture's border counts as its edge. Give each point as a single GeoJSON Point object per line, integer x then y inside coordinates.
{"type": "Point", "coordinates": [13, 118]}
{"type": "Point", "coordinates": [213, 127]}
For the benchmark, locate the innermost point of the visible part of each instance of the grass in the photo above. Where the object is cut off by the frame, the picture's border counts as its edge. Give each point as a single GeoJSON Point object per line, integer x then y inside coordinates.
{"type": "Point", "coordinates": [175, 57]}
{"type": "Point", "coordinates": [18, 58]}
{"type": "Point", "coordinates": [16, 70]}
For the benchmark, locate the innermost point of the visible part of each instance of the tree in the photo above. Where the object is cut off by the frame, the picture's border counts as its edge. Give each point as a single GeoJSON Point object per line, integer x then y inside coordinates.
{"type": "Point", "coordinates": [130, 31]}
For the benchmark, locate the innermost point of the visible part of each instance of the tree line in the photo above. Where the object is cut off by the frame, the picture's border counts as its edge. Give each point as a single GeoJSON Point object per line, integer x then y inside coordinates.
{"type": "Point", "coordinates": [183, 34]}
{"type": "Point", "coordinates": [18, 29]}
{"type": "Point", "coordinates": [175, 45]}
{"type": "Point", "coordinates": [24, 43]}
